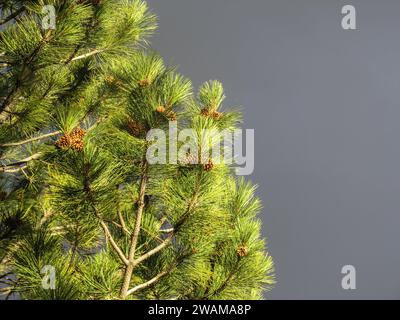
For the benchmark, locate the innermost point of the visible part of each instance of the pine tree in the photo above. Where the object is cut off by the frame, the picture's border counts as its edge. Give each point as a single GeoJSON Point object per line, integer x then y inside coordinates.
{"type": "Point", "coordinates": [77, 191]}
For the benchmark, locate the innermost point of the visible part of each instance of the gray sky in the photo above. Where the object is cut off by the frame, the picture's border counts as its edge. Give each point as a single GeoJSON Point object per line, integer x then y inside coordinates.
{"type": "Point", "coordinates": [324, 103]}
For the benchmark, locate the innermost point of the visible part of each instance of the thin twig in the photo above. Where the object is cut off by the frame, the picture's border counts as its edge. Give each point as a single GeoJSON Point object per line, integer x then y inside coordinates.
{"type": "Point", "coordinates": [148, 283]}
{"type": "Point", "coordinates": [135, 234]}
{"type": "Point", "coordinates": [13, 170]}
{"type": "Point", "coordinates": [120, 216]}
{"type": "Point", "coordinates": [158, 276]}
{"type": "Point", "coordinates": [6, 290]}
{"type": "Point", "coordinates": [167, 230]}
{"type": "Point", "coordinates": [19, 143]}
{"type": "Point", "coordinates": [147, 255]}
{"type": "Point", "coordinates": [13, 167]}
{"type": "Point", "coordinates": [113, 243]}
{"type": "Point", "coordinates": [86, 55]}
{"type": "Point", "coordinates": [107, 232]}
{"type": "Point", "coordinates": [13, 15]}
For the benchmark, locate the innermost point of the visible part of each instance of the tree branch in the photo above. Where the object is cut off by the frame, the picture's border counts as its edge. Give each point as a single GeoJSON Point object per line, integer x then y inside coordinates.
{"type": "Point", "coordinates": [113, 243]}
{"type": "Point", "coordinates": [147, 255]}
{"type": "Point", "coordinates": [148, 283]}
{"type": "Point", "coordinates": [120, 216]}
{"type": "Point", "coordinates": [135, 234]}
{"type": "Point", "coordinates": [223, 285]}
{"type": "Point", "coordinates": [159, 276]}
{"type": "Point", "coordinates": [12, 170]}
{"type": "Point", "coordinates": [13, 167]}
{"type": "Point", "coordinates": [13, 15]}
{"type": "Point", "coordinates": [107, 232]}
{"type": "Point", "coordinates": [131, 257]}
{"type": "Point", "coordinates": [4, 291]}
{"type": "Point", "coordinates": [86, 55]}
{"type": "Point", "coordinates": [19, 143]}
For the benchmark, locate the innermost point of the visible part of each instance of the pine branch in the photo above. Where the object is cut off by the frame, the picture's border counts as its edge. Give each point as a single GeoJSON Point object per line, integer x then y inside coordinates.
{"type": "Point", "coordinates": [12, 166]}
{"type": "Point", "coordinates": [120, 217]}
{"type": "Point", "coordinates": [27, 61]}
{"type": "Point", "coordinates": [147, 255]}
{"type": "Point", "coordinates": [104, 226]}
{"type": "Point", "coordinates": [4, 291]}
{"type": "Point", "coordinates": [41, 137]}
{"type": "Point", "coordinates": [158, 277]}
{"type": "Point", "coordinates": [148, 283]}
{"type": "Point", "coordinates": [13, 170]}
{"type": "Point", "coordinates": [223, 286]}
{"type": "Point", "coordinates": [135, 234]}
{"type": "Point", "coordinates": [168, 240]}
{"type": "Point", "coordinates": [113, 243]}
{"type": "Point", "coordinates": [13, 15]}
{"type": "Point", "coordinates": [86, 55]}
{"type": "Point", "coordinates": [191, 204]}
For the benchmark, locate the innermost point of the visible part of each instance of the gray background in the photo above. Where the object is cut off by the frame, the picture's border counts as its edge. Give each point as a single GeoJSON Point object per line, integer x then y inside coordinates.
{"type": "Point", "coordinates": [324, 103]}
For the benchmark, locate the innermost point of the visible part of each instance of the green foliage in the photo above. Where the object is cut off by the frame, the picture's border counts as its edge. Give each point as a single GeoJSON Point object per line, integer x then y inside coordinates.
{"type": "Point", "coordinates": [76, 190]}
{"type": "Point", "coordinates": [211, 95]}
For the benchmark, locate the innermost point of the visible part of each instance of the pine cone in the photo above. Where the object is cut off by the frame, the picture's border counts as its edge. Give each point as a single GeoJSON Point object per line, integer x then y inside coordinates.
{"type": "Point", "coordinates": [161, 109]}
{"type": "Point", "coordinates": [171, 116]}
{"type": "Point", "coordinates": [242, 251]}
{"type": "Point", "coordinates": [78, 133]}
{"type": "Point", "coordinates": [110, 79]}
{"type": "Point", "coordinates": [208, 166]}
{"type": "Point", "coordinates": [73, 140]}
{"type": "Point", "coordinates": [64, 142]}
{"type": "Point", "coordinates": [216, 115]}
{"type": "Point", "coordinates": [77, 145]}
{"type": "Point", "coordinates": [144, 83]}
{"type": "Point", "coordinates": [135, 128]}
{"type": "Point", "coordinates": [206, 112]}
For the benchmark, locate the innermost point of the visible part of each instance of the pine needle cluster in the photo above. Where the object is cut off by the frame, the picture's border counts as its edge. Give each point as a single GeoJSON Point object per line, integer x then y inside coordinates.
{"type": "Point", "coordinates": [76, 190]}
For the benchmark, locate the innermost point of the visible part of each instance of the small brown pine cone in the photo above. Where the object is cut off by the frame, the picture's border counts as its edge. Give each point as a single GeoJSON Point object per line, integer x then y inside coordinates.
{"type": "Point", "coordinates": [208, 166]}
{"type": "Point", "coordinates": [73, 140]}
{"type": "Point", "coordinates": [135, 128]}
{"type": "Point", "coordinates": [171, 116]}
{"type": "Point", "coordinates": [77, 136]}
{"type": "Point", "coordinates": [64, 142]}
{"type": "Point", "coordinates": [205, 112]}
{"type": "Point", "coordinates": [77, 145]}
{"type": "Point", "coordinates": [110, 79]}
{"type": "Point", "coordinates": [161, 109]}
{"type": "Point", "coordinates": [78, 133]}
{"type": "Point", "coordinates": [216, 115]}
{"type": "Point", "coordinates": [242, 251]}
{"type": "Point", "coordinates": [144, 83]}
